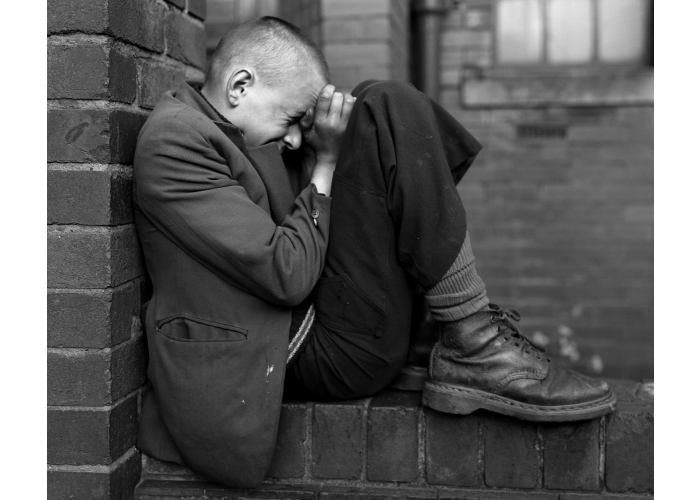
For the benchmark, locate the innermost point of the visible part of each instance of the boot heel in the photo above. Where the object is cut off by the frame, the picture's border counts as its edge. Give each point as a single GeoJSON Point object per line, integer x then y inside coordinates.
{"type": "Point", "coordinates": [442, 399]}
{"type": "Point", "coordinates": [410, 379]}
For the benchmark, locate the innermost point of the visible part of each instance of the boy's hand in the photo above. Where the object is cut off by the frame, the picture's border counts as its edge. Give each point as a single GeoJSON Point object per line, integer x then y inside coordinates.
{"type": "Point", "coordinates": [326, 125]}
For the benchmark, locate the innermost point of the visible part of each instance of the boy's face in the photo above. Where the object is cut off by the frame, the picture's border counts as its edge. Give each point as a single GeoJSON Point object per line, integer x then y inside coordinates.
{"type": "Point", "coordinates": [273, 113]}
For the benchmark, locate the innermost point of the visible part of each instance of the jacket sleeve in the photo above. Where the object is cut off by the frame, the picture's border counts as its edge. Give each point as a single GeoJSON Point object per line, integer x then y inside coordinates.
{"type": "Point", "coordinates": [186, 188]}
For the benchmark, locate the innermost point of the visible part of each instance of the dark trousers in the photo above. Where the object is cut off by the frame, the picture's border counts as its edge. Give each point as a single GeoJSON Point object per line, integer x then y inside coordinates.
{"type": "Point", "coordinates": [397, 224]}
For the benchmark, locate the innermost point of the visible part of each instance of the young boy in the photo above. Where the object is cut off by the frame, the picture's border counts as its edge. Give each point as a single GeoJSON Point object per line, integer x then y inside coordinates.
{"type": "Point", "coordinates": [258, 271]}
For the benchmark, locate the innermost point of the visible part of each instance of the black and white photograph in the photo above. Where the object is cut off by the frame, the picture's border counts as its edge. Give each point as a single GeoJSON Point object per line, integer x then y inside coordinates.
{"type": "Point", "coordinates": [355, 249]}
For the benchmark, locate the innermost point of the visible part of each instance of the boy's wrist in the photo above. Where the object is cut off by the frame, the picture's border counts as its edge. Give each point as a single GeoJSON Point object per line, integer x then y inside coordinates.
{"type": "Point", "coordinates": [322, 177]}
{"type": "Point", "coordinates": [326, 159]}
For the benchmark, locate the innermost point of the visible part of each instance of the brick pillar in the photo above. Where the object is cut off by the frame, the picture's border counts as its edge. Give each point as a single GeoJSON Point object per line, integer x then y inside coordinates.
{"type": "Point", "coordinates": [108, 61]}
{"type": "Point", "coordinates": [365, 39]}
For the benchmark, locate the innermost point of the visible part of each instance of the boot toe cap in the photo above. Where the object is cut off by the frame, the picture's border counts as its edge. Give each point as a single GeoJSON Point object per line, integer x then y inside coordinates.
{"type": "Point", "coordinates": [560, 387]}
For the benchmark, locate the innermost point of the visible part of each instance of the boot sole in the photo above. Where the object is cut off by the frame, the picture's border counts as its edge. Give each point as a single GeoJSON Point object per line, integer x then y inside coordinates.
{"type": "Point", "coordinates": [449, 398]}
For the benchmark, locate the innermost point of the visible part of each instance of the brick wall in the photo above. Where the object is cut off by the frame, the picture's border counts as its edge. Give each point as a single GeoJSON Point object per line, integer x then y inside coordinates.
{"type": "Point", "coordinates": [306, 14]}
{"type": "Point", "coordinates": [222, 14]}
{"type": "Point", "coordinates": [390, 446]}
{"type": "Point", "coordinates": [108, 61]}
{"type": "Point", "coordinates": [560, 201]}
{"type": "Point", "coordinates": [365, 39]}
{"type": "Point", "coordinates": [563, 230]}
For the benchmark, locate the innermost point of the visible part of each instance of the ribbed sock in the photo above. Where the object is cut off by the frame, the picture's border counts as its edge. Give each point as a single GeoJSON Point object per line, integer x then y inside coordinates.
{"type": "Point", "coordinates": [461, 291]}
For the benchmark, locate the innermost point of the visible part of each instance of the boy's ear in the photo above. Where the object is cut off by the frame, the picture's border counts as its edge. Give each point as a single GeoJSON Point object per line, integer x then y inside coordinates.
{"type": "Point", "coordinates": [238, 85]}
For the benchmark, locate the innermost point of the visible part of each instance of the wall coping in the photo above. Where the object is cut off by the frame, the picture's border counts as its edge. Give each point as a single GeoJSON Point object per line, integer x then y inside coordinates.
{"type": "Point", "coordinates": [589, 458]}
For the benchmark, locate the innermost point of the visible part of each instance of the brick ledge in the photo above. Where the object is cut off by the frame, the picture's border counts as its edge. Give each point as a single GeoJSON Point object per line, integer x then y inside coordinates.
{"type": "Point", "coordinates": [390, 446]}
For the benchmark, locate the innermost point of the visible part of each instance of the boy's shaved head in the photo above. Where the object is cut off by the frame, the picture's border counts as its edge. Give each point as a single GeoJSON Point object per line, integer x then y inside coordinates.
{"type": "Point", "coordinates": [276, 49]}
{"type": "Point", "coordinates": [264, 77]}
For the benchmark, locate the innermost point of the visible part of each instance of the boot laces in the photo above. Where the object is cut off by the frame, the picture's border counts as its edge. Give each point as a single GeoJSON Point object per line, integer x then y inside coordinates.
{"type": "Point", "coordinates": [505, 320]}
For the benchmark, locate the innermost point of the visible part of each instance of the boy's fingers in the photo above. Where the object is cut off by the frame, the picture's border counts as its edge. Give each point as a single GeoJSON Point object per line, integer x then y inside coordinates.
{"type": "Point", "coordinates": [348, 103]}
{"type": "Point", "coordinates": [336, 106]}
{"type": "Point", "coordinates": [324, 101]}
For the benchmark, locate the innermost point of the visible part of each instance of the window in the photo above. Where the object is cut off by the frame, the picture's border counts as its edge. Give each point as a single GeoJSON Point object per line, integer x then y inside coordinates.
{"type": "Point", "coordinates": [572, 32]}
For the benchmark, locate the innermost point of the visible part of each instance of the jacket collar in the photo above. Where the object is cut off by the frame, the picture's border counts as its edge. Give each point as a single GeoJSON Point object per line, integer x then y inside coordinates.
{"type": "Point", "coordinates": [191, 96]}
{"type": "Point", "coordinates": [266, 159]}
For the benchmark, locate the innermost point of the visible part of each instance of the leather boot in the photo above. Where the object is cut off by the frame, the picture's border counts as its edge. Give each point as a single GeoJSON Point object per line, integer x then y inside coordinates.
{"type": "Point", "coordinates": [483, 361]}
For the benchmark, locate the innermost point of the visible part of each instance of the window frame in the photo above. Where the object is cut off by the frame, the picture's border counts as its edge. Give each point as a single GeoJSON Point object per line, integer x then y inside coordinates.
{"type": "Point", "coordinates": [543, 65]}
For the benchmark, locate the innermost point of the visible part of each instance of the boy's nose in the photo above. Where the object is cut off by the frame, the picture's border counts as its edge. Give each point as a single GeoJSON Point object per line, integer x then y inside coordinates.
{"type": "Point", "coordinates": [293, 138]}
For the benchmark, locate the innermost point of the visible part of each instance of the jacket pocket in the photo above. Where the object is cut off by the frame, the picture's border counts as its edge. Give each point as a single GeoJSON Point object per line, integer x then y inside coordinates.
{"type": "Point", "coordinates": [184, 328]}
{"type": "Point", "coordinates": [342, 305]}
{"type": "Point", "coordinates": [219, 393]}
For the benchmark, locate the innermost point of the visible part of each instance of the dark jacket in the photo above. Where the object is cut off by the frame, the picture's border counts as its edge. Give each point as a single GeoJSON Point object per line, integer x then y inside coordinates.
{"type": "Point", "coordinates": [229, 250]}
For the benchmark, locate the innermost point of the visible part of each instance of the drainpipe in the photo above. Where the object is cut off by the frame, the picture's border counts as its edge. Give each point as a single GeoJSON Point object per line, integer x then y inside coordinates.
{"type": "Point", "coordinates": [427, 29]}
